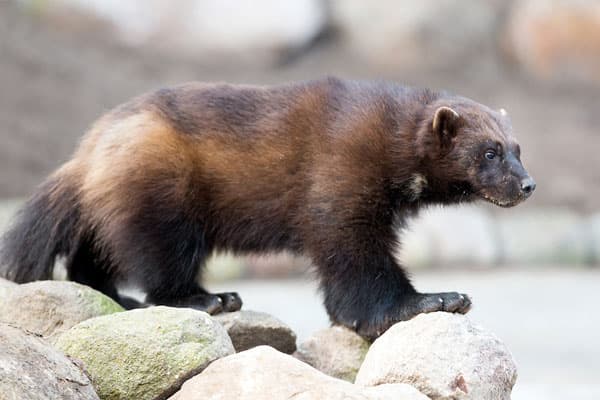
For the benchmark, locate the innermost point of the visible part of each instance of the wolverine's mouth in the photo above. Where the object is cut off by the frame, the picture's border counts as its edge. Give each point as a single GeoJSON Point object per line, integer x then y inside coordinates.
{"type": "Point", "coordinates": [500, 203]}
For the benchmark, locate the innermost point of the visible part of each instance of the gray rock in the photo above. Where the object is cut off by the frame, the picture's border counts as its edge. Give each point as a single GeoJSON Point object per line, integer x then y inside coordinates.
{"type": "Point", "coordinates": [444, 356]}
{"type": "Point", "coordinates": [265, 373]}
{"type": "Point", "coordinates": [49, 308]}
{"type": "Point", "coordinates": [6, 287]}
{"type": "Point", "coordinates": [249, 329]}
{"type": "Point", "coordinates": [31, 369]}
{"type": "Point", "coordinates": [145, 353]}
{"type": "Point", "coordinates": [335, 351]}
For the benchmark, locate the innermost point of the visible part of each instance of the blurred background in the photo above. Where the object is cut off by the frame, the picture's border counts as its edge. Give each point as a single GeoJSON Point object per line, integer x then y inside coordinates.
{"type": "Point", "coordinates": [531, 270]}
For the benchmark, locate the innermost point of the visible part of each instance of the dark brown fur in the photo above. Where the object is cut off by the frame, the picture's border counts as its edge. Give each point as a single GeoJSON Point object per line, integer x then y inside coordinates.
{"type": "Point", "coordinates": [328, 169]}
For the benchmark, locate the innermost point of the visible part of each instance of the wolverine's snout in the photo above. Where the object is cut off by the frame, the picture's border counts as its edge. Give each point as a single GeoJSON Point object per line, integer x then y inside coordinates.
{"type": "Point", "coordinates": [527, 186]}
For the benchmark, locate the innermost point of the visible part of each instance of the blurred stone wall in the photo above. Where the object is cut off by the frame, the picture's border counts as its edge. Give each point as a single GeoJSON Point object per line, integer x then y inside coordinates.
{"type": "Point", "coordinates": [554, 41]}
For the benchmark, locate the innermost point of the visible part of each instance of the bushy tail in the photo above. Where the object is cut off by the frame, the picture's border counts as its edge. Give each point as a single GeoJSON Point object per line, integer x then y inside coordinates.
{"type": "Point", "coordinates": [45, 227]}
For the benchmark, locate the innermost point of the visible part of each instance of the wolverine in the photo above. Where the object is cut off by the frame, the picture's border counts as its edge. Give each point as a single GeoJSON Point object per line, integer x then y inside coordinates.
{"type": "Point", "coordinates": [331, 169]}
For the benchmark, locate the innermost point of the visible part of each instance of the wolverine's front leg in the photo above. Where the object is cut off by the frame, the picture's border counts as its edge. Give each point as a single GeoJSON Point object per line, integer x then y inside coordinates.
{"type": "Point", "coordinates": [365, 289]}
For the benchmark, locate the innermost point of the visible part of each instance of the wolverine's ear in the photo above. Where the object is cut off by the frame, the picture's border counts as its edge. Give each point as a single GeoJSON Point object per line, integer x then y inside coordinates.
{"type": "Point", "coordinates": [445, 124]}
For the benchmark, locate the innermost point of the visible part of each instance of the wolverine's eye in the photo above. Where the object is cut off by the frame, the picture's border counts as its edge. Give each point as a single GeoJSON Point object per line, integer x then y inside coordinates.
{"type": "Point", "coordinates": [490, 154]}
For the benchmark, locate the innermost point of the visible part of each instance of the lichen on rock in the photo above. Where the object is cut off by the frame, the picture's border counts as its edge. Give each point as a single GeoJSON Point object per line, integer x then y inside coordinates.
{"type": "Point", "coordinates": [49, 308]}
{"type": "Point", "coordinates": [145, 353]}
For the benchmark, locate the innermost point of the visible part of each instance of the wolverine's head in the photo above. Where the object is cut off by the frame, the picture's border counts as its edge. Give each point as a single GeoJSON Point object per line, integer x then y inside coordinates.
{"type": "Point", "coordinates": [471, 150]}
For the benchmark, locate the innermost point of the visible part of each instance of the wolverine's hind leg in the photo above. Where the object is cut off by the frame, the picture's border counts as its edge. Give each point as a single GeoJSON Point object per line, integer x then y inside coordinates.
{"type": "Point", "coordinates": [164, 248]}
{"type": "Point", "coordinates": [212, 303]}
{"type": "Point", "coordinates": [144, 193]}
{"type": "Point", "coordinates": [87, 266]}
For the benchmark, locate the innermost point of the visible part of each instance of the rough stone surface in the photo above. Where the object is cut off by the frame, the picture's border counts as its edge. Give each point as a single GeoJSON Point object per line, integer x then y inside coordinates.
{"type": "Point", "coordinates": [443, 355]}
{"type": "Point", "coordinates": [249, 329]}
{"type": "Point", "coordinates": [265, 373]}
{"type": "Point", "coordinates": [6, 286]}
{"type": "Point", "coordinates": [145, 353]}
{"type": "Point", "coordinates": [336, 351]}
{"type": "Point", "coordinates": [49, 308]}
{"type": "Point", "coordinates": [31, 369]}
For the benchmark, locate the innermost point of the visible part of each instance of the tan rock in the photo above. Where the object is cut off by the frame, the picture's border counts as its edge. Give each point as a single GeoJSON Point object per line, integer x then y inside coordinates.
{"type": "Point", "coordinates": [443, 355]}
{"type": "Point", "coordinates": [265, 373]}
{"type": "Point", "coordinates": [335, 351]}
{"type": "Point", "coordinates": [249, 329]}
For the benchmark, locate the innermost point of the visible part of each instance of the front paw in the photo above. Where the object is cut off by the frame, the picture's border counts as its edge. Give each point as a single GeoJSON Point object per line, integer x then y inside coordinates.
{"type": "Point", "coordinates": [431, 302]}
{"type": "Point", "coordinates": [410, 306]}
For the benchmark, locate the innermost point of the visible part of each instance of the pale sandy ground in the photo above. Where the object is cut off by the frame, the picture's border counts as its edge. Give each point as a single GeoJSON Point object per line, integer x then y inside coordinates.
{"type": "Point", "coordinates": [548, 318]}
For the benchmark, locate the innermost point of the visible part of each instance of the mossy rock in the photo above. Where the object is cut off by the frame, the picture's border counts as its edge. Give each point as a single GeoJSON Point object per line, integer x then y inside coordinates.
{"type": "Point", "coordinates": [49, 308]}
{"type": "Point", "coordinates": [145, 353]}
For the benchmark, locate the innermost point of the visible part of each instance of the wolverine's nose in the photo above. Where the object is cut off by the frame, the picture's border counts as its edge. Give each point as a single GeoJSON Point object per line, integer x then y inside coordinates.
{"type": "Point", "coordinates": [528, 186]}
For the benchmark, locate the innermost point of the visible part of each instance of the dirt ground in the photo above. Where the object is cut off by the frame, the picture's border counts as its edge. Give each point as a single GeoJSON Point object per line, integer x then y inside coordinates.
{"type": "Point", "coordinates": [54, 84]}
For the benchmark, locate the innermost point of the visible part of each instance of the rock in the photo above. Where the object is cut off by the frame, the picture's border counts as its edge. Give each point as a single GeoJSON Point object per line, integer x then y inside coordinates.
{"type": "Point", "coordinates": [145, 353]}
{"type": "Point", "coordinates": [393, 391]}
{"type": "Point", "coordinates": [31, 369]}
{"type": "Point", "coordinates": [555, 40]}
{"type": "Point", "coordinates": [265, 373]}
{"type": "Point", "coordinates": [444, 356]}
{"type": "Point", "coordinates": [417, 32]}
{"type": "Point", "coordinates": [49, 308]}
{"type": "Point", "coordinates": [249, 329]}
{"type": "Point", "coordinates": [6, 287]}
{"type": "Point", "coordinates": [335, 351]}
